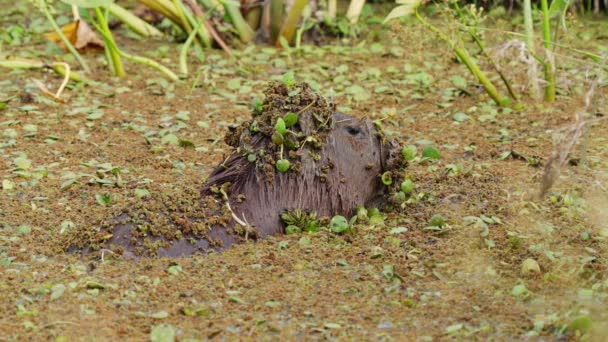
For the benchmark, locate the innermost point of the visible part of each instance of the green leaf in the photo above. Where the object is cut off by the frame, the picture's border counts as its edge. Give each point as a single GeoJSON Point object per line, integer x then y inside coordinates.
{"type": "Point", "coordinates": [409, 152]}
{"type": "Point", "coordinates": [407, 7]}
{"type": "Point", "coordinates": [183, 115]}
{"type": "Point", "coordinates": [289, 79]}
{"type": "Point", "coordinates": [407, 186]}
{"type": "Point", "coordinates": [282, 165]}
{"type": "Point", "coordinates": [437, 221]}
{"type": "Point", "coordinates": [581, 323]}
{"type": "Point", "coordinates": [290, 119]}
{"type": "Point", "coordinates": [291, 229]}
{"type": "Point", "coordinates": [88, 3]}
{"type": "Point", "coordinates": [460, 117]}
{"type": "Point", "coordinates": [141, 193]}
{"type": "Point", "coordinates": [57, 291]}
{"type": "Point", "coordinates": [280, 126]}
{"type": "Point", "coordinates": [387, 178]}
{"type": "Point", "coordinates": [163, 333]}
{"type": "Point", "coordinates": [558, 8]}
{"type": "Point", "coordinates": [160, 314]}
{"type": "Point", "coordinates": [22, 163]}
{"type": "Point", "coordinates": [68, 183]}
{"type": "Point", "coordinates": [459, 81]}
{"type": "Point", "coordinates": [170, 139]}
{"type": "Point", "coordinates": [186, 144]}
{"type": "Point", "coordinates": [103, 199]}
{"type": "Point", "coordinates": [431, 153]}
{"type": "Point", "coordinates": [7, 184]}
{"type": "Point", "coordinates": [338, 224]}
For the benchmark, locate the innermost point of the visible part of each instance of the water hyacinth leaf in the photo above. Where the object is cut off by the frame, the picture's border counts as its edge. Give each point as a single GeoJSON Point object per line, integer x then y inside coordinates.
{"type": "Point", "coordinates": [460, 117]}
{"type": "Point", "coordinates": [162, 333]}
{"type": "Point", "coordinates": [520, 291]}
{"type": "Point", "coordinates": [291, 229]}
{"type": "Point", "coordinates": [312, 227]}
{"type": "Point", "coordinates": [57, 291]}
{"type": "Point", "coordinates": [160, 315]}
{"type": "Point", "coordinates": [338, 224]}
{"type": "Point", "coordinates": [582, 324]}
{"type": "Point", "coordinates": [103, 199]}
{"type": "Point", "coordinates": [22, 163]}
{"type": "Point", "coordinates": [277, 138]}
{"type": "Point", "coordinates": [530, 266]}
{"type": "Point", "coordinates": [409, 152]}
{"type": "Point", "coordinates": [283, 165]}
{"type": "Point", "coordinates": [387, 178]}
{"type": "Point", "coordinates": [7, 185]}
{"type": "Point", "coordinates": [407, 186]}
{"type": "Point", "coordinates": [170, 139]}
{"type": "Point", "coordinates": [289, 79]}
{"type": "Point", "coordinates": [141, 193]}
{"type": "Point", "coordinates": [257, 105]}
{"type": "Point", "coordinates": [459, 81]}
{"type": "Point", "coordinates": [431, 153]}
{"type": "Point", "coordinates": [290, 119]}
{"type": "Point", "coordinates": [280, 126]}
{"type": "Point", "coordinates": [437, 221]}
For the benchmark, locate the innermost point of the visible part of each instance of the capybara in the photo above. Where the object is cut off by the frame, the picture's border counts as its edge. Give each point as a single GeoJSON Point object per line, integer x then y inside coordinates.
{"type": "Point", "coordinates": [334, 164]}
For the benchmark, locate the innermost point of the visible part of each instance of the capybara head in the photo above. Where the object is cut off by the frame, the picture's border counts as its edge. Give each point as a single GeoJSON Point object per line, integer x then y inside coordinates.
{"type": "Point", "coordinates": [335, 163]}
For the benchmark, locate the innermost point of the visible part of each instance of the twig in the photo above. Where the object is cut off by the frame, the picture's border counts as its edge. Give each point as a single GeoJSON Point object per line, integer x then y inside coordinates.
{"type": "Point", "coordinates": [573, 133]}
{"type": "Point", "coordinates": [66, 79]}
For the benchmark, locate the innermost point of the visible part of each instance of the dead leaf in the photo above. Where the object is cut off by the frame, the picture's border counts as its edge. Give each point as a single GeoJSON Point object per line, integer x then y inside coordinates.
{"type": "Point", "coordinates": [79, 34]}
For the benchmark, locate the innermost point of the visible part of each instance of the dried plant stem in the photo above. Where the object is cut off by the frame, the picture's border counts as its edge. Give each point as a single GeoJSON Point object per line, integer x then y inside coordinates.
{"type": "Point", "coordinates": [58, 67]}
{"type": "Point", "coordinates": [529, 32]}
{"type": "Point", "coordinates": [198, 11]}
{"type": "Point", "coordinates": [558, 159]}
{"type": "Point", "coordinates": [332, 9]}
{"type": "Point", "coordinates": [354, 10]}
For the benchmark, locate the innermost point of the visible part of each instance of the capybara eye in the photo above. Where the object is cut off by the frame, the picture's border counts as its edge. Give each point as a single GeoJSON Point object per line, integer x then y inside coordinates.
{"type": "Point", "coordinates": [353, 130]}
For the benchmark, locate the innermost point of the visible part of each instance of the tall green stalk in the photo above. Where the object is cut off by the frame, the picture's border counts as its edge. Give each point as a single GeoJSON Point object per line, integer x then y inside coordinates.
{"type": "Point", "coordinates": [110, 44]}
{"type": "Point", "coordinates": [291, 22]}
{"type": "Point", "coordinates": [63, 38]}
{"type": "Point", "coordinates": [276, 18]}
{"type": "Point", "coordinates": [548, 65]}
{"type": "Point", "coordinates": [242, 27]}
{"type": "Point", "coordinates": [136, 24]}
